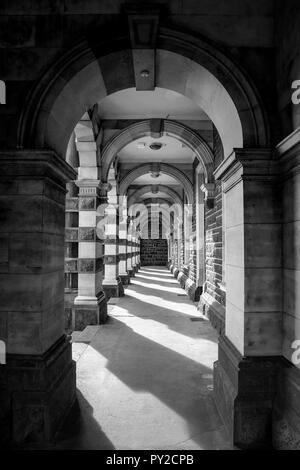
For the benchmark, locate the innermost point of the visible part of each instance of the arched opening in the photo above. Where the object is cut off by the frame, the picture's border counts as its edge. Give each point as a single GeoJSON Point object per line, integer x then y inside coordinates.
{"type": "Point", "coordinates": [68, 102]}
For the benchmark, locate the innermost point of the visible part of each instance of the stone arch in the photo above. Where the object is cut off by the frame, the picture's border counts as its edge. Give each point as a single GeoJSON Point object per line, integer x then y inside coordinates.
{"type": "Point", "coordinates": [87, 148]}
{"type": "Point", "coordinates": [86, 74]}
{"type": "Point", "coordinates": [162, 203]}
{"type": "Point", "coordinates": [161, 188]}
{"type": "Point", "coordinates": [170, 128]}
{"type": "Point", "coordinates": [164, 168]}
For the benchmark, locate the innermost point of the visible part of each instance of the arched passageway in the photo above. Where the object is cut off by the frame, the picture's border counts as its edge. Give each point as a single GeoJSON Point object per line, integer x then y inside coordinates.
{"type": "Point", "coordinates": [145, 378]}
{"type": "Point", "coordinates": [201, 175]}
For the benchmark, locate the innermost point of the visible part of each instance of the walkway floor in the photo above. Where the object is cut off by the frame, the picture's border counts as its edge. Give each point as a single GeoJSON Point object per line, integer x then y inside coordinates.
{"type": "Point", "coordinates": [145, 378]}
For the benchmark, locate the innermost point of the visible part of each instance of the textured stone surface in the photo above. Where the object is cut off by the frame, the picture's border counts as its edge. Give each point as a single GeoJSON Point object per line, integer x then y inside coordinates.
{"type": "Point", "coordinates": [154, 252]}
{"type": "Point", "coordinates": [244, 391]}
{"type": "Point", "coordinates": [286, 412]}
{"type": "Point", "coordinates": [41, 391]}
{"type": "Point", "coordinates": [114, 290]}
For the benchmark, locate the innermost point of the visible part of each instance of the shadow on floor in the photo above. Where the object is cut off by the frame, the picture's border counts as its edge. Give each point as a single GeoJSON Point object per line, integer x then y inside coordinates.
{"type": "Point", "coordinates": [181, 383]}
{"type": "Point", "coordinates": [146, 385]}
{"type": "Point", "coordinates": [80, 430]}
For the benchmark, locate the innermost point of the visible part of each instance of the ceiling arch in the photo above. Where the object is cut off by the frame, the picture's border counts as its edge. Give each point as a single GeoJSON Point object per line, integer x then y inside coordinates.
{"type": "Point", "coordinates": [164, 168]}
{"type": "Point", "coordinates": [148, 188]}
{"type": "Point", "coordinates": [170, 128]}
{"type": "Point", "coordinates": [191, 66]}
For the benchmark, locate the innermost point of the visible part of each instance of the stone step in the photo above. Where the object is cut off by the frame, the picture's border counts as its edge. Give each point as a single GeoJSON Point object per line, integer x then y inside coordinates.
{"type": "Point", "coordinates": [86, 335]}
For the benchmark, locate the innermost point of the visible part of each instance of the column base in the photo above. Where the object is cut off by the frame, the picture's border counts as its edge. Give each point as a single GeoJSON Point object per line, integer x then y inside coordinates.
{"type": "Point", "coordinates": [244, 390]}
{"type": "Point", "coordinates": [135, 269]}
{"type": "Point", "coordinates": [36, 394]}
{"type": "Point", "coordinates": [182, 278]}
{"type": "Point", "coordinates": [175, 272]}
{"type": "Point", "coordinates": [125, 279]}
{"type": "Point", "coordinates": [114, 290]}
{"type": "Point", "coordinates": [286, 412]}
{"type": "Point", "coordinates": [214, 311]}
{"type": "Point", "coordinates": [193, 291]}
{"type": "Point", "coordinates": [89, 311]}
{"type": "Point", "coordinates": [131, 272]}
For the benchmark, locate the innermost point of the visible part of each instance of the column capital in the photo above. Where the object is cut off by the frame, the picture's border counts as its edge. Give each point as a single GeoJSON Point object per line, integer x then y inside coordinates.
{"type": "Point", "coordinates": [287, 154]}
{"type": "Point", "coordinates": [247, 164]}
{"type": "Point", "coordinates": [35, 163]}
{"type": "Point", "coordinates": [92, 187]}
{"type": "Point", "coordinates": [209, 192]}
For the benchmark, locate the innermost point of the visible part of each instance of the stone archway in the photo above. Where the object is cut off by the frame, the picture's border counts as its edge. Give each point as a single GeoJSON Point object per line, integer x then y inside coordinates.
{"type": "Point", "coordinates": [81, 78]}
{"type": "Point", "coordinates": [76, 82]}
{"type": "Point", "coordinates": [163, 168]}
{"type": "Point", "coordinates": [170, 128]}
{"type": "Point", "coordinates": [162, 188]}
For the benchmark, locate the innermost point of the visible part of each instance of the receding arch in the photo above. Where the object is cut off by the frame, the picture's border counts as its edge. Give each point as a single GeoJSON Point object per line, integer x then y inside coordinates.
{"type": "Point", "coordinates": [164, 207]}
{"type": "Point", "coordinates": [170, 128]}
{"type": "Point", "coordinates": [148, 188]}
{"type": "Point", "coordinates": [87, 149]}
{"type": "Point", "coordinates": [197, 69]}
{"type": "Point", "coordinates": [164, 168]}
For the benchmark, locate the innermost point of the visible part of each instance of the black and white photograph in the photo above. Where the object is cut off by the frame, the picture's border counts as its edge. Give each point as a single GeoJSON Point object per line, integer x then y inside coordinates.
{"type": "Point", "coordinates": [149, 228]}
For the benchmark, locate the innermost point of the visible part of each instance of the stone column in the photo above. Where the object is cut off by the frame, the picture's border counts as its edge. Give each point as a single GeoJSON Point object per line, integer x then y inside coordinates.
{"type": "Point", "coordinates": [125, 278]}
{"type": "Point", "coordinates": [134, 250]}
{"type": "Point", "coordinates": [90, 303]}
{"type": "Point", "coordinates": [138, 251]}
{"type": "Point", "coordinates": [245, 373]}
{"type": "Point", "coordinates": [38, 380]}
{"type": "Point", "coordinates": [112, 283]}
{"type": "Point", "coordinates": [129, 248]}
{"type": "Point", "coordinates": [177, 245]}
{"type": "Point", "coordinates": [71, 254]}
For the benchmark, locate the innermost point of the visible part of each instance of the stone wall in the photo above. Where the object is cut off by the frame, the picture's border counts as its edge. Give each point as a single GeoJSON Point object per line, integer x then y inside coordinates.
{"type": "Point", "coordinates": [286, 414]}
{"type": "Point", "coordinates": [287, 37]}
{"type": "Point", "coordinates": [46, 29]}
{"type": "Point", "coordinates": [212, 302]}
{"type": "Point", "coordinates": [71, 254]}
{"type": "Point", "coordinates": [154, 252]}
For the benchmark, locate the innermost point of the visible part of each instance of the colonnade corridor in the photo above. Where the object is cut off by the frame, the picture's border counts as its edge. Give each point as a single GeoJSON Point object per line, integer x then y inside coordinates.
{"type": "Point", "coordinates": [145, 379]}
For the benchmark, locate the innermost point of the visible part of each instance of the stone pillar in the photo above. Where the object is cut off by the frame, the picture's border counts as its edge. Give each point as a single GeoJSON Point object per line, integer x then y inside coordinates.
{"type": "Point", "coordinates": [177, 244]}
{"type": "Point", "coordinates": [138, 251]}
{"type": "Point", "coordinates": [112, 283]}
{"type": "Point", "coordinates": [134, 250]}
{"type": "Point", "coordinates": [245, 373]}
{"type": "Point", "coordinates": [37, 383]}
{"type": "Point", "coordinates": [71, 254]}
{"type": "Point", "coordinates": [129, 248]}
{"type": "Point", "coordinates": [90, 303]}
{"type": "Point", "coordinates": [125, 278]}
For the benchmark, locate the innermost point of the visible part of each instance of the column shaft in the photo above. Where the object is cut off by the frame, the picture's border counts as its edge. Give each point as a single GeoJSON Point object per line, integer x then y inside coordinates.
{"type": "Point", "coordinates": [38, 381]}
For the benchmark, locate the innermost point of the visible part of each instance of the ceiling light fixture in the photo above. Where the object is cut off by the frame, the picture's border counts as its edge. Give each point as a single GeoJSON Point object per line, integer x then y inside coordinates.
{"type": "Point", "coordinates": [156, 146]}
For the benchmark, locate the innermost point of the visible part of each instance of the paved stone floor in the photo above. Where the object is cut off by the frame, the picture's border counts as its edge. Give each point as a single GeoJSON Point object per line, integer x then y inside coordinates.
{"type": "Point", "coordinates": [145, 378]}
